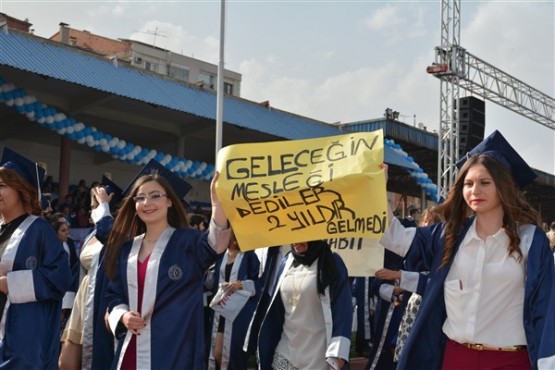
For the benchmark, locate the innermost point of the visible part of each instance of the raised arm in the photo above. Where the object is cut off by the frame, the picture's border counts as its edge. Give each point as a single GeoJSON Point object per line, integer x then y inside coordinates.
{"type": "Point", "coordinates": [396, 237]}
{"type": "Point", "coordinates": [220, 232]}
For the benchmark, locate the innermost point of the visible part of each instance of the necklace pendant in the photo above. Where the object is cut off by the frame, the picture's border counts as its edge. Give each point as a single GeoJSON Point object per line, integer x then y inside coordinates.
{"type": "Point", "coordinates": [293, 301]}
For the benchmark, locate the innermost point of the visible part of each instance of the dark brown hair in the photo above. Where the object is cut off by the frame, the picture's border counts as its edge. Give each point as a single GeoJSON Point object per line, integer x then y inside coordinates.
{"type": "Point", "coordinates": [56, 225]}
{"type": "Point", "coordinates": [28, 195]}
{"type": "Point", "coordinates": [516, 210]}
{"type": "Point", "coordinates": [429, 217]}
{"type": "Point", "coordinates": [127, 224]}
{"type": "Point", "coordinates": [56, 217]}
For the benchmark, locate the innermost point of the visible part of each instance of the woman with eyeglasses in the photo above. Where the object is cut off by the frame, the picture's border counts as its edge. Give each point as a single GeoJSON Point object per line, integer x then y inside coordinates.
{"type": "Point", "coordinates": [156, 265]}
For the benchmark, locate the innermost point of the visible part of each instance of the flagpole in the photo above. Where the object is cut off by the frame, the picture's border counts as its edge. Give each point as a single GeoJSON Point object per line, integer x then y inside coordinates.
{"type": "Point", "coordinates": [220, 82]}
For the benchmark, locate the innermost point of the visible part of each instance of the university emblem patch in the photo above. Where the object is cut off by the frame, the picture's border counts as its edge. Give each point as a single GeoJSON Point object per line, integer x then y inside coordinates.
{"type": "Point", "coordinates": [31, 262]}
{"type": "Point", "coordinates": [175, 272]}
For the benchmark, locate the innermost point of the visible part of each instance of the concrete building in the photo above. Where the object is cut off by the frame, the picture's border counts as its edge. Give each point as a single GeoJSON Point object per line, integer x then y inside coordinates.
{"type": "Point", "coordinates": [15, 24]}
{"type": "Point", "coordinates": [151, 58]}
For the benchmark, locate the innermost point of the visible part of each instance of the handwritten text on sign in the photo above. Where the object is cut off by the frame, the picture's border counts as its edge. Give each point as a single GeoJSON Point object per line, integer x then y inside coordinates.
{"type": "Point", "coordinates": [282, 192]}
{"type": "Point", "coordinates": [362, 256]}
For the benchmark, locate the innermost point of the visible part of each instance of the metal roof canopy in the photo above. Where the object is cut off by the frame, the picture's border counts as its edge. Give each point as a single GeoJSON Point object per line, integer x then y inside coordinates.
{"type": "Point", "coordinates": [72, 81]}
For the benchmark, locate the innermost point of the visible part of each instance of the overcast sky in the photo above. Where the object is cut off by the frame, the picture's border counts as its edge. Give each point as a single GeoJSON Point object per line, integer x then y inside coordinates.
{"type": "Point", "coordinates": [337, 60]}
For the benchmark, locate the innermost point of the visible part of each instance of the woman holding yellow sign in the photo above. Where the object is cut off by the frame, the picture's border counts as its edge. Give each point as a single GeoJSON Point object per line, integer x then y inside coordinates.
{"type": "Point", "coordinates": [491, 270]}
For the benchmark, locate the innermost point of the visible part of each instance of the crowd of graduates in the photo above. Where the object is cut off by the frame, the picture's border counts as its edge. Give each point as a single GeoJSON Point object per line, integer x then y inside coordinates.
{"type": "Point", "coordinates": [467, 284]}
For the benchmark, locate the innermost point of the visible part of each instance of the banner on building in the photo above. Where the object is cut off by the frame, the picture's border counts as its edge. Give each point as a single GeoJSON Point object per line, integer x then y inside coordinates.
{"type": "Point", "coordinates": [281, 192]}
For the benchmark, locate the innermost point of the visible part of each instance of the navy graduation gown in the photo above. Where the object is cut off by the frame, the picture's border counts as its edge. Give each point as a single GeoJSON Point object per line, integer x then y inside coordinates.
{"type": "Point", "coordinates": [337, 307]}
{"type": "Point", "coordinates": [272, 263]}
{"type": "Point", "coordinates": [74, 265]}
{"type": "Point", "coordinates": [233, 356]}
{"type": "Point", "coordinates": [38, 273]}
{"type": "Point", "coordinates": [97, 341]}
{"type": "Point", "coordinates": [174, 335]}
{"type": "Point", "coordinates": [425, 346]}
{"type": "Point", "coordinates": [363, 295]}
{"type": "Point", "coordinates": [546, 356]}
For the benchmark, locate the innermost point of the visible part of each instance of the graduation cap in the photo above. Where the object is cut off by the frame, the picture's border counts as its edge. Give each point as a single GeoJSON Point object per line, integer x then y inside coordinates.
{"type": "Point", "coordinates": [179, 186]}
{"type": "Point", "coordinates": [497, 146]}
{"type": "Point", "coordinates": [30, 171]}
{"type": "Point", "coordinates": [112, 188]}
{"type": "Point", "coordinates": [45, 202]}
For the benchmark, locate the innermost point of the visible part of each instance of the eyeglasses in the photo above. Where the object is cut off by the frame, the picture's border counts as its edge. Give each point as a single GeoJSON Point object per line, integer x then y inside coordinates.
{"type": "Point", "coordinates": [152, 197]}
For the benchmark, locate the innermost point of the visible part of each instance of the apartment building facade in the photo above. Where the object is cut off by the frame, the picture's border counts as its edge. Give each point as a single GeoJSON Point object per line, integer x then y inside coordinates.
{"type": "Point", "coordinates": [154, 59]}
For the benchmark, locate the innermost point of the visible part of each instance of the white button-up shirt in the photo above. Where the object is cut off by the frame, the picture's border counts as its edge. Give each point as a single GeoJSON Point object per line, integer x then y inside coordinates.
{"type": "Point", "coordinates": [484, 289]}
{"type": "Point", "coordinates": [484, 292]}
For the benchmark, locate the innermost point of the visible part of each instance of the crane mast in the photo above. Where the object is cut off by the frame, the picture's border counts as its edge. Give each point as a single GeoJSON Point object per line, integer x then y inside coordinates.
{"type": "Point", "coordinates": [458, 69]}
{"type": "Point", "coordinates": [448, 70]}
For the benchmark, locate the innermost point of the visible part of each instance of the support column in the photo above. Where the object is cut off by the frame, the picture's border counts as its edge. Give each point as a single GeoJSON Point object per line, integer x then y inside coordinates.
{"type": "Point", "coordinates": [65, 161]}
{"type": "Point", "coordinates": [181, 146]}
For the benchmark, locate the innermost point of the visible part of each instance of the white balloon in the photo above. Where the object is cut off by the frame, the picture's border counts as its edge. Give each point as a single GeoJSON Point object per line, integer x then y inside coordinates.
{"type": "Point", "coordinates": [29, 99]}
{"type": "Point", "coordinates": [58, 117]}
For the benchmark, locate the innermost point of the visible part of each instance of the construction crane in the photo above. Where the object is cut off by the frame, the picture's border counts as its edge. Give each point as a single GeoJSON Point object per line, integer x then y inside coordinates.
{"type": "Point", "coordinates": [457, 69]}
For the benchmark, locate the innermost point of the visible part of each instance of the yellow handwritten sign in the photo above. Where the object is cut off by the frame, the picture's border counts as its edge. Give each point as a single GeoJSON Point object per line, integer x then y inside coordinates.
{"type": "Point", "coordinates": [289, 191]}
{"type": "Point", "coordinates": [362, 256]}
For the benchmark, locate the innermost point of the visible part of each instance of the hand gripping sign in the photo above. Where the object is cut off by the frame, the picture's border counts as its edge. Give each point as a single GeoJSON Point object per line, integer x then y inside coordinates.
{"type": "Point", "coordinates": [288, 191]}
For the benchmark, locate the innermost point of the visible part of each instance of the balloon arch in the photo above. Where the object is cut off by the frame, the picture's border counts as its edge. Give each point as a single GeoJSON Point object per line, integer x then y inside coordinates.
{"type": "Point", "coordinates": [46, 116]}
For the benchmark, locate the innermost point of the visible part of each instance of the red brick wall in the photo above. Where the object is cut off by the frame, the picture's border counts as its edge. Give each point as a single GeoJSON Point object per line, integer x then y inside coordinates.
{"type": "Point", "coordinates": [14, 23]}
{"type": "Point", "coordinates": [99, 44]}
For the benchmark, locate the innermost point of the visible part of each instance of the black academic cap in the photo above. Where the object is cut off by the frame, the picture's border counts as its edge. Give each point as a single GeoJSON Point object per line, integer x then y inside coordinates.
{"type": "Point", "coordinates": [498, 147]}
{"type": "Point", "coordinates": [29, 170]}
{"type": "Point", "coordinates": [44, 202]}
{"type": "Point", "coordinates": [112, 188]}
{"type": "Point", "coordinates": [179, 186]}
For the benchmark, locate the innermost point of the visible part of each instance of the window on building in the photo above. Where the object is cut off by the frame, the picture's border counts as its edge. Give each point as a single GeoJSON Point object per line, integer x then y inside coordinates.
{"type": "Point", "coordinates": [207, 78]}
{"type": "Point", "coordinates": [228, 88]}
{"type": "Point", "coordinates": [151, 66]}
{"type": "Point", "coordinates": [179, 73]}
